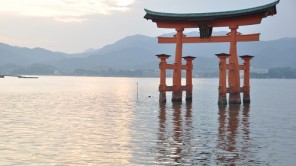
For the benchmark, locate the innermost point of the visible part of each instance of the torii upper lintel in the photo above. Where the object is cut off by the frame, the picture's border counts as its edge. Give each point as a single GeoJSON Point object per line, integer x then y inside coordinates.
{"type": "Point", "coordinates": [214, 19]}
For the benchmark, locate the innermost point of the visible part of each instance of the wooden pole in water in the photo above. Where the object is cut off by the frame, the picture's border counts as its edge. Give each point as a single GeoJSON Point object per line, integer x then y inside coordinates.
{"type": "Point", "coordinates": [137, 90]}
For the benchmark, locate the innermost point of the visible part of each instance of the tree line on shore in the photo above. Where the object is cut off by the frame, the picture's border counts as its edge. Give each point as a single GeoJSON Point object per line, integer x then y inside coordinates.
{"type": "Point", "coordinates": [279, 72]}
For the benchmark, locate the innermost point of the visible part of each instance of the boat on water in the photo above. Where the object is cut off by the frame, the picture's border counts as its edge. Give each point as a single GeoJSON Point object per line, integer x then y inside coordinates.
{"type": "Point", "coordinates": [27, 77]}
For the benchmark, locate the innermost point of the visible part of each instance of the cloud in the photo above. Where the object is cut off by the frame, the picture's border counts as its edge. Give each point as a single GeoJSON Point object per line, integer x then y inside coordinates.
{"type": "Point", "coordinates": [64, 10]}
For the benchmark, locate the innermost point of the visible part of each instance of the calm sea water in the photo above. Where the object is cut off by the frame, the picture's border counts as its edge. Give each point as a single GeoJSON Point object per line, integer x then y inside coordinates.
{"type": "Point", "coordinates": [107, 121]}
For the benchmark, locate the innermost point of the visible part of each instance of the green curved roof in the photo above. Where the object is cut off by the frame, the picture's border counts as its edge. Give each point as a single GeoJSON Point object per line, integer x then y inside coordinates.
{"type": "Point", "coordinates": [210, 16]}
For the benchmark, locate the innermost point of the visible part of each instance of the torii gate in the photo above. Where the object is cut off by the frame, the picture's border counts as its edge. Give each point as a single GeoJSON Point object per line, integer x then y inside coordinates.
{"type": "Point", "coordinates": [205, 22]}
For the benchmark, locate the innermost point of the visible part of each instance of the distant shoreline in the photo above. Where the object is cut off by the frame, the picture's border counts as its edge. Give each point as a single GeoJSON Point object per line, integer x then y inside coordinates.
{"type": "Point", "coordinates": [252, 77]}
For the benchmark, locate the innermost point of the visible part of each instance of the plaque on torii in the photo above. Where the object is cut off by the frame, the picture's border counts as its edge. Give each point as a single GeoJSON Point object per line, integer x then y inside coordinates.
{"type": "Point", "coordinates": [206, 22]}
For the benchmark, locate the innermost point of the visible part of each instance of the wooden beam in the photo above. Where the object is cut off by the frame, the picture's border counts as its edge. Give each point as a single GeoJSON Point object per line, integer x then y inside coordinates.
{"type": "Point", "coordinates": [170, 88]}
{"type": "Point", "coordinates": [170, 66]}
{"type": "Point", "coordinates": [240, 38]}
{"type": "Point", "coordinates": [250, 37]}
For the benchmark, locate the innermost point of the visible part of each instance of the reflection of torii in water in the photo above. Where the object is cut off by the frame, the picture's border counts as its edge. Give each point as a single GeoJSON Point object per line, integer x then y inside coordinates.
{"type": "Point", "coordinates": [233, 134]}
{"type": "Point", "coordinates": [206, 22]}
{"type": "Point", "coordinates": [175, 145]}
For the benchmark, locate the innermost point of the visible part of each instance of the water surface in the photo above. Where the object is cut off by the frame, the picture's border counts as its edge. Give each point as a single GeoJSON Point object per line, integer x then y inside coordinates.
{"type": "Point", "coordinates": [112, 121]}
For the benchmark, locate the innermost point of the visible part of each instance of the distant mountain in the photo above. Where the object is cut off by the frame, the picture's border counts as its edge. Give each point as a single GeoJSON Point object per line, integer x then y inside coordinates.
{"type": "Point", "coordinates": [270, 54]}
{"type": "Point", "coordinates": [138, 52]}
{"type": "Point", "coordinates": [26, 56]}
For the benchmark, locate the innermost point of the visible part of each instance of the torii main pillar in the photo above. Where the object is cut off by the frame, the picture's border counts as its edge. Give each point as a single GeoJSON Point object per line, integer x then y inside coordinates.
{"type": "Point", "coordinates": [233, 75]}
{"type": "Point", "coordinates": [177, 74]}
{"type": "Point", "coordinates": [206, 22]}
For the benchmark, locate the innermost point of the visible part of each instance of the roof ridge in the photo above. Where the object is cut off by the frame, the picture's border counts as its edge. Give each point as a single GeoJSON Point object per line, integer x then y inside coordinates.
{"type": "Point", "coordinates": [258, 8]}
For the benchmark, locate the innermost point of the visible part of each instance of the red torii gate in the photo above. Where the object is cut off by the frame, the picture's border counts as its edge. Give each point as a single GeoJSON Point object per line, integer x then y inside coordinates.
{"type": "Point", "coordinates": [205, 22]}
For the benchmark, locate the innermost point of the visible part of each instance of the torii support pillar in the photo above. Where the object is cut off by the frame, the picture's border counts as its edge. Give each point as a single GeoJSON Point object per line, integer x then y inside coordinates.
{"type": "Point", "coordinates": [177, 92]}
{"type": "Point", "coordinates": [223, 90]}
{"type": "Point", "coordinates": [162, 85]}
{"type": "Point", "coordinates": [246, 88]}
{"type": "Point", "coordinates": [189, 68]}
{"type": "Point", "coordinates": [222, 99]}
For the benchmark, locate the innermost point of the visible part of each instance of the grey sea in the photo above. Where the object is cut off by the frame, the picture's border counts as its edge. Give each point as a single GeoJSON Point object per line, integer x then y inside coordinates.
{"type": "Point", "coordinates": [65, 121]}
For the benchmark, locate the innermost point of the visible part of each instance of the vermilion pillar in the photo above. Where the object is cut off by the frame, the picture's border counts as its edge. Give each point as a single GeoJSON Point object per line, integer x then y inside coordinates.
{"type": "Point", "coordinates": [246, 88]}
{"type": "Point", "coordinates": [233, 76]}
{"type": "Point", "coordinates": [177, 86]}
{"type": "Point", "coordinates": [222, 99]}
{"type": "Point", "coordinates": [162, 67]}
{"type": "Point", "coordinates": [189, 68]}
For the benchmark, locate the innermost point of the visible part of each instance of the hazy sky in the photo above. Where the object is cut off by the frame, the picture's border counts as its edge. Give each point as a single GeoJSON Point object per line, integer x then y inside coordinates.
{"type": "Point", "coordinates": [76, 25]}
